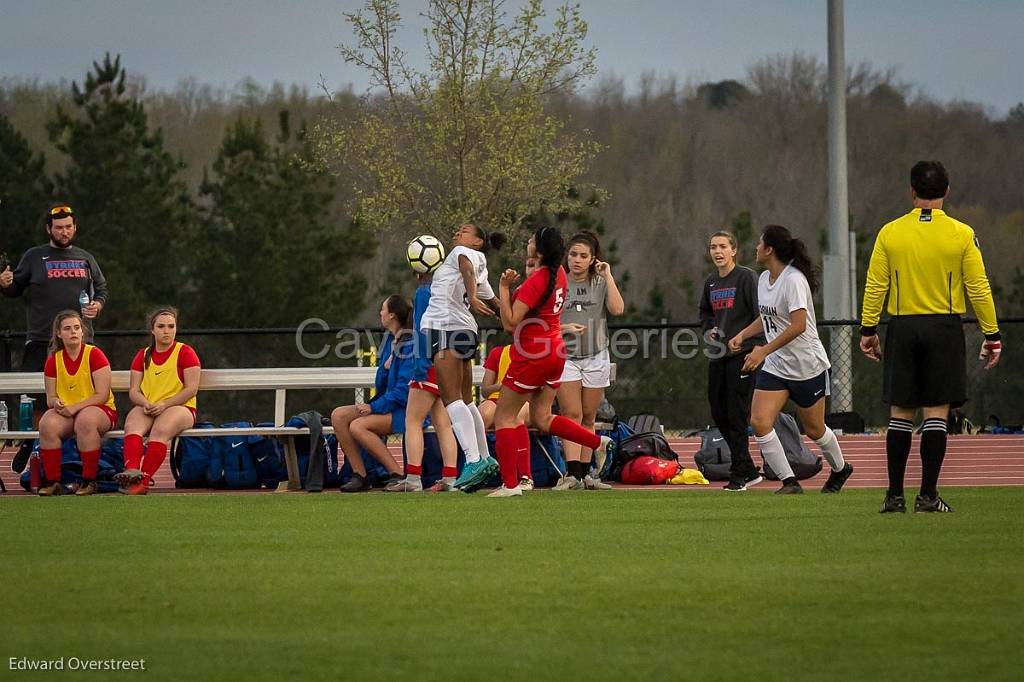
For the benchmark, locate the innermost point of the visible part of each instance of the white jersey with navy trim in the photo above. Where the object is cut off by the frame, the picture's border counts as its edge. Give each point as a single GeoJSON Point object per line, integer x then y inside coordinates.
{"type": "Point", "coordinates": [449, 303]}
{"type": "Point", "coordinates": [804, 357]}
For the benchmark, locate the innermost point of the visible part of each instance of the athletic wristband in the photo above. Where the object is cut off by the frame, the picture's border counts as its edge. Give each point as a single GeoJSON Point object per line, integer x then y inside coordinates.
{"type": "Point", "coordinates": [869, 331]}
{"type": "Point", "coordinates": [990, 348]}
{"type": "Point", "coordinates": [994, 337]}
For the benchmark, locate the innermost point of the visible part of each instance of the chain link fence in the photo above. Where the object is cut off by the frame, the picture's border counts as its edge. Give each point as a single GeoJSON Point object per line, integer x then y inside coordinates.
{"type": "Point", "coordinates": [660, 369]}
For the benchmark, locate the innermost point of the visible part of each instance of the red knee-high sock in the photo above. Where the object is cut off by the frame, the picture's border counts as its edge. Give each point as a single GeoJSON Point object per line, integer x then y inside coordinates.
{"type": "Point", "coordinates": [90, 463]}
{"type": "Point", "coordinates": [51, 463]}
{"type": "Point", "coordinates": [155, 454]}
{"type": "Point", "coordinates": [505, 444]}
{"type": "Point", "coordinates": [570, 430]}
{"type": "Point", "coordinates": [523, 451]}
{"type": "Point", "coordinates": [133, 450]}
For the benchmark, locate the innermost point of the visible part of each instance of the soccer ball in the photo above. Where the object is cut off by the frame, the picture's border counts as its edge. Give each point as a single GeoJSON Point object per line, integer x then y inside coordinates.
{"type": "Point", "coordinates": [425, 253]}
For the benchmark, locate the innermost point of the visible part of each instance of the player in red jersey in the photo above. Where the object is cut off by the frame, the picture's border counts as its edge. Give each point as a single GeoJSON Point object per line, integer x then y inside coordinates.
{"type": "Point", "coordinates": [533, 316]}
{"type": "Point", "coordinates": [77, 379]}
{"type": "Point", "coordinates": [164, 383]}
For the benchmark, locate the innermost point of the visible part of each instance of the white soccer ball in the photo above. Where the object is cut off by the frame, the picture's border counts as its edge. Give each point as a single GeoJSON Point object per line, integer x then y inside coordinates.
{"type": "Point", "coordinates": [425, 253]}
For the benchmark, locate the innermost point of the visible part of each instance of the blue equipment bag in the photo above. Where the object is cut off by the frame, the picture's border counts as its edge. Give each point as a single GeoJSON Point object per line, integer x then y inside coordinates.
{"type": "Point", "coordinates": [111, 462]}
{"type": "Point", "coordinates": [268, 456]}
{"type": "Point", "coordinates": [620, 432]}
{"type": "Point", "coordinates": [190, 459]}
{"type": "Point", "coordinates": [232, 465]}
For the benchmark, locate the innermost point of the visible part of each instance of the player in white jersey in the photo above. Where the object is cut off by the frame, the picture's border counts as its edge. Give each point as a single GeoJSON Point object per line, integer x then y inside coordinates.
{"type": "Point", "coordinates": [794, 361]}
{"type": "Point", "coordinates": [460, 289]}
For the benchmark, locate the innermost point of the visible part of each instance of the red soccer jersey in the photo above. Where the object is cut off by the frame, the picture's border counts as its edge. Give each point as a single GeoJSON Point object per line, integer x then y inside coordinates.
{"type": "Point", "coordinates": [541, 333]}
{"type": "Point", "coordinates": [97, 360]}
{"type": "Point", "coordinates": [493, 361]}
{"type": "Point", "coordinates": [186, 358]}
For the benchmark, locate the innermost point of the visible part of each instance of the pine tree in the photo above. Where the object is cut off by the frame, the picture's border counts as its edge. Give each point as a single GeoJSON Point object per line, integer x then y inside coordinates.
{"type": "Point", "coordinates": [134, 212]}
{"type": "Point", "coordinates": [24, 194]}
{"type": "Point", "coordinates": [276, 254]}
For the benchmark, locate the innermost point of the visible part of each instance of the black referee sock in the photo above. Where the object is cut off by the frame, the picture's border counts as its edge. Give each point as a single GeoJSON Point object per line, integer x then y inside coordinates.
{"type": "Point", "coordinates": [897, 450]}
{"type": "Point", "coordinates": [933, 451]}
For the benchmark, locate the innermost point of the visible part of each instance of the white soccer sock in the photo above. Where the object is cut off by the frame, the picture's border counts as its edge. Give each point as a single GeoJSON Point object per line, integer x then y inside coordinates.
{"type": "Point", "coordinates": [481, 430]}
{"type": "Point", "coordinates": [829, 445]}
{"type": "Point", "coordinates": [465, 429]}
{"type": "Point", "coordinates": [773, 455]}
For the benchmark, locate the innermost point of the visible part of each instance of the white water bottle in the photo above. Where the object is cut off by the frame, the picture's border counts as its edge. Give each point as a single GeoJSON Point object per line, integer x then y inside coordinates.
{"type": "Point", "coordinates": [3, 415]}
{"type": "Point", "coordinates": [83, 300]}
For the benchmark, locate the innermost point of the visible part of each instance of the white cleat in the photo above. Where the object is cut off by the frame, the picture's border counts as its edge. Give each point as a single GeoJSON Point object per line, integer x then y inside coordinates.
{"type": "Point", "coordinates": [601, 453]}
{"type": "Point", "coordinates": [507, 492]}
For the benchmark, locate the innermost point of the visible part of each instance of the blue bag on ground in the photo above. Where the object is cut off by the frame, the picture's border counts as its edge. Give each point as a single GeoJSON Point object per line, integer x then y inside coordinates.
{"type": "Point", "coordinates": [231, 464]}
{"type": "Point", "coordinates": [111, 462]}
{"type": "Point", "coordinates": [620, 432]}
{"type": "Point", "coordinates": [190, 459]}
{"type": "Point", "coordinates": [332, 477]}
{"type": "Point", "coordinates": [268, 456]}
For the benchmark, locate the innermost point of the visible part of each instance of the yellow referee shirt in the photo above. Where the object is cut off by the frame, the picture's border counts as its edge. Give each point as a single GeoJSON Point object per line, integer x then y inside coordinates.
{"type": "Point", "coordinates": [924, 261]}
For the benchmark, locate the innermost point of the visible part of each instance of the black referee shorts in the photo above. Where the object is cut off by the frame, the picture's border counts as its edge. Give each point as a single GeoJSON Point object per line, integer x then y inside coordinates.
{"type": "Point", "coordinates": [924, 361]}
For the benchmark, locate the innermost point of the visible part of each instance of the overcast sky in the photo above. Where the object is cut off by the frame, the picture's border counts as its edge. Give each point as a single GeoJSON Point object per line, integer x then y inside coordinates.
{"type": "Point", "coordinates": [951, 49]}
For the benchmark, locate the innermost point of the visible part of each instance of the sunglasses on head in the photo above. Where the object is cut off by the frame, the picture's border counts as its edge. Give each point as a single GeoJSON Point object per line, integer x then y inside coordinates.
{"type": "Point", "coordinates": [61, 209]}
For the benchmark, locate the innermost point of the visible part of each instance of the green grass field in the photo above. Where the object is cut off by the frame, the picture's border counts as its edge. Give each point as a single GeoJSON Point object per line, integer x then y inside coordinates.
{"type": "Point", "coordinates": [619, 585]}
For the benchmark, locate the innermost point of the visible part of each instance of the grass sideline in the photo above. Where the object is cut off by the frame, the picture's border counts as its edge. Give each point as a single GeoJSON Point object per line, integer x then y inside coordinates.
{"type": "Point", "coordinates": [619, 585]}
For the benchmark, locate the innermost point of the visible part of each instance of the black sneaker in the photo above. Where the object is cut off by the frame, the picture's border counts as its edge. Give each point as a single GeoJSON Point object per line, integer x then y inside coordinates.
{"type": "Point", "coordinates": [392, 478]}
{"type": "Point", "coordinates": [894, 504]}
{"type": "Point", "coordinates": [836, 479]}
{"type": "Point", "coordinates": [20, 460]}
{"type": "Point", "coordinates": [734, 487]}
{"type": "Point", "coordinates": [753, 480]}
{"type": "Point", "coordinates": [930, 504]}
{"type": "Point", "coordinates": [790, 486]}
{"type": "Point", "coordinates": [356, 484]}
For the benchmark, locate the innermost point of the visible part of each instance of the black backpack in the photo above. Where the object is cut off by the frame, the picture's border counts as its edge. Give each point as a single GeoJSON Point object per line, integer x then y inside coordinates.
{"type": "Point", "coordinates": [804, 463]}
{"type": "Point", "coordinates": [714, 457]}
{"type": "Point", "coordinates": [645, 423]}
{"type": "Point", "coordinates": [651, 444]}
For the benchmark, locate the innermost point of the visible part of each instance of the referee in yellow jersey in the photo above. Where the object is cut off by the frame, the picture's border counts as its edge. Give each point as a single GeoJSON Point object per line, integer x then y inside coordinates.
{"type": "Point", "coordinates": [924, 261]}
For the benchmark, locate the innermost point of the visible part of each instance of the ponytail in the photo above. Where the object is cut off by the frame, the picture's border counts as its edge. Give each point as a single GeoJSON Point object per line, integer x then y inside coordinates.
{"type": "Point", "coordinates": [493, 240]}
{"type": "Point", "coordinates": [791, 251]}
{"type": "Point", "coordinates": [401, 308]}
{"type": "Point", "coordinates": [551, 249]}
{"type": "Point", "coordinates": [150, 321]}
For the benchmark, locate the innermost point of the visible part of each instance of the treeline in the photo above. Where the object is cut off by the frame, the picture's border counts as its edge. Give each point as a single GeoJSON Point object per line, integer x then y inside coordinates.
{"type": "Point", "coordinates": [258, 239]}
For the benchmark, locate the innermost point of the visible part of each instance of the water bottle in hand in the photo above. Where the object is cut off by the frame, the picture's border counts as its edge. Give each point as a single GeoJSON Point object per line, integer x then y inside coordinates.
{"type": "Point", "coordinates": [83, 300]}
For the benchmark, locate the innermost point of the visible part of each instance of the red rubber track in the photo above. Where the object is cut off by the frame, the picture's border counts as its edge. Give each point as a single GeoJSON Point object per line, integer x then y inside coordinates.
{"type": "Point", "coordinates": [984, 460]}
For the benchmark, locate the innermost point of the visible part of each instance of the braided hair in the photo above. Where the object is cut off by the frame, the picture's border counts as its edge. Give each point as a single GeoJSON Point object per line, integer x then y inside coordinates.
{"type": "Point", "coordinates": [791, 251]}
{"type": "Point", "coordinates": [551, 250]}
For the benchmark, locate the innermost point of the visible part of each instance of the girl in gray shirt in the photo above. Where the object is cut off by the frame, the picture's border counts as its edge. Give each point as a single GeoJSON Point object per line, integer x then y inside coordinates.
{"type": "Point", "coordinates": [592, 295]}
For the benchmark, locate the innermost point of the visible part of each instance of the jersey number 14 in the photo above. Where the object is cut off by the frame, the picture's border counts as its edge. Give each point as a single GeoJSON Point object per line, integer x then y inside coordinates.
{"type": "Point", "coordinates": [769, 325]}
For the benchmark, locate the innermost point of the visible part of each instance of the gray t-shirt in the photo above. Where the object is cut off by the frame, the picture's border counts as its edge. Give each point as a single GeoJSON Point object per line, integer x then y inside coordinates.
{"type": "Point", "coordinates": [51, 280]}
{"type": "Point", "coordinates": [585, 304]}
